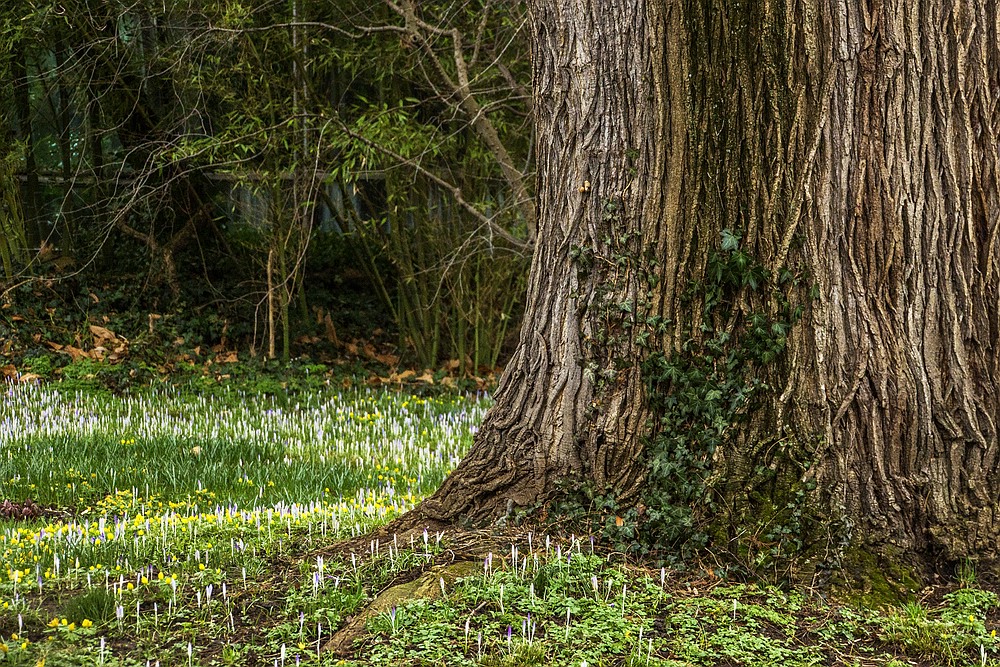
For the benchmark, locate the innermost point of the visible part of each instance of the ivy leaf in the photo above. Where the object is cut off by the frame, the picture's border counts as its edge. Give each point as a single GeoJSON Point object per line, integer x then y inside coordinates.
{"type": "Point", "coordinates": [730, 241]}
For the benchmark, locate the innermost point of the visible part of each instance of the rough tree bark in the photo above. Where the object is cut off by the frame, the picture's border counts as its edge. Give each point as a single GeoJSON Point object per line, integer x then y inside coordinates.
{"type": "Point", "coordinates": [898, 368]}
{"type": "Point", "coordinates": [853, 143]}
{"type": "Point", "coordinates": [608, 170]}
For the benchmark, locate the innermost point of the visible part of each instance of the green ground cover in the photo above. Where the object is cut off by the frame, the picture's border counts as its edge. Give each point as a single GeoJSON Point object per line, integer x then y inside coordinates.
{"type": "Point", "coordinates": [199, 528]}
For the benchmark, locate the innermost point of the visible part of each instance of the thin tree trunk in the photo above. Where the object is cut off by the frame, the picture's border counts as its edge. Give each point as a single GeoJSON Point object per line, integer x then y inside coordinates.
{"type": "Point", "coordinates": [270, 306]}
{"type": "Point", "coordinates": [31, 202]}
{"type": "Point", "coordinates": [64, 138]}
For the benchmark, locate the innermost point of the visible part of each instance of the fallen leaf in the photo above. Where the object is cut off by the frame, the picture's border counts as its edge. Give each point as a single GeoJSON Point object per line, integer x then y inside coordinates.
{"type": "Point", "coordinates": [331, 331]}
{"type": "Point", "coordinates": [102, 333]}
{"type": "Point", "coordinates": [74, 352]}
{"type": "Point", "coordinates": [387, 359]}
{"type": "Point", "coordinates": [228, 358]}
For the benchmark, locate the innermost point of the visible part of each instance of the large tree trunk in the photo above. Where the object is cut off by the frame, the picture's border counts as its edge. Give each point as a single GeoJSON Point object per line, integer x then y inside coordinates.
{"type": "Point", "coordinates": [570, 404]}
{"type": "Point", "coordinates": [853, 146]}
{"type": "Point", "coordinates": [898, 367]}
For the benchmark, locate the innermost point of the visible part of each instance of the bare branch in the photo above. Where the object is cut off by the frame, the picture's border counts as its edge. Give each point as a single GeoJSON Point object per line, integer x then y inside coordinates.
{"type": "Point", "coordinates": [455, 191]}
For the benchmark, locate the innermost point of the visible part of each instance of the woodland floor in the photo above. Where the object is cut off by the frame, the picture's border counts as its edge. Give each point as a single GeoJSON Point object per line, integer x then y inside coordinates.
{"type": "Point", "coordinates": [168, 502]}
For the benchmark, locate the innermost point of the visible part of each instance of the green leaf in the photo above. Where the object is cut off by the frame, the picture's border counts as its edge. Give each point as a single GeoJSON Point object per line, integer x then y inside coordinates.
{"type": "Point", "coordinates": [730, 240]}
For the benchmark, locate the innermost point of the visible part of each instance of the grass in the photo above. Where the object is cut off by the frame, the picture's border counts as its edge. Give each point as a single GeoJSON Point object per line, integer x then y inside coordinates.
{"type": "Point", "coordinates": [190, 528]}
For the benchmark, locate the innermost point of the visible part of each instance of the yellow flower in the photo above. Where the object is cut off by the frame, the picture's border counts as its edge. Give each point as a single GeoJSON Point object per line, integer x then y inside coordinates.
{"type": "Point", "coordinates": [86, 623]}
{"type": "Point", "coordinates": [54, 623]}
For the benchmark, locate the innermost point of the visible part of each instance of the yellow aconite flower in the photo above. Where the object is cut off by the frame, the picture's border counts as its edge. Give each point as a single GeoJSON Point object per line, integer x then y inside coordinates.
{"type": "Point", "coordinates": [54, 623]}
{"type": "Point", "coordinates": [86, 623]}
